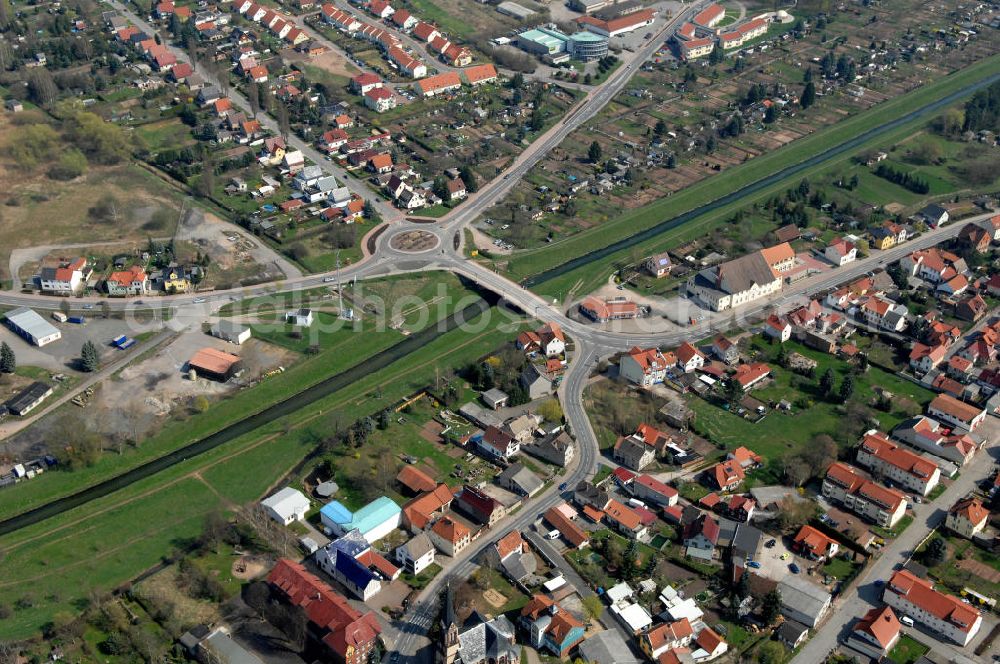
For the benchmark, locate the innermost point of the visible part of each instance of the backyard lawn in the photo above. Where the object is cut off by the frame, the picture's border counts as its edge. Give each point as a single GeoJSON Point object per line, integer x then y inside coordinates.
{"type": "Point", "coordinates": [967, 565]}
{"type": "Point", "coordinates": [907, 651]}
{"type": "Point", "coordinates": [780, 432]}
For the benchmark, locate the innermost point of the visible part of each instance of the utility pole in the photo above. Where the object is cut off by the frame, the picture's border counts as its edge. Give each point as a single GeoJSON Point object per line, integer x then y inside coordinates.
{"type": "Point", "coordinates": [340, 290]}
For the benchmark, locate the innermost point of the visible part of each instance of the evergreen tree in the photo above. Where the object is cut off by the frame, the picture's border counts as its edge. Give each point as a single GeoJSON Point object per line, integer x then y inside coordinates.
{"type": "Point", "coordinates": [716, 57]}
{"type": "Point", "coordinates": [808, 97]}
{"type": "Point", "coordinates": [826, 382]}
{"type": "Point", "coordinates": [935, 552]}
{"type": "Point", "coordinates": [771, 114]}
{"type": "Point", "coordinates": [469, 178]}
{"type": "Point", "coordinates": [8, 363]}
{"type": "Point", "coordinates": [661, 128]}
{"type": "Point", "coordinates": [771, 607]}
{"type": "Point", "coordinates": [846, 388]}
{"type": "Point", "coordinates": [672, 161]}
{"type": "Point", "coordinates": [90, 359]}
{"type": "Point", "coordinates": [594, 152]}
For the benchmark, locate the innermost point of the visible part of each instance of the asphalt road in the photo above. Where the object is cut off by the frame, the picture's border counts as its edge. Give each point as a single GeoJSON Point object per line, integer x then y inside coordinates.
{"type": "Point", "coordinates": [592, 342]}
{"type": "Point", "coordinates": [388, 213]}
{"type": "Point", "coordinates": [865, 594]}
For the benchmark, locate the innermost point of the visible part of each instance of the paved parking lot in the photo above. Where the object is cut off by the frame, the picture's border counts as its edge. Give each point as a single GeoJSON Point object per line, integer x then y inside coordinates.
{"type": "Point", "coordinates": [62, 354]}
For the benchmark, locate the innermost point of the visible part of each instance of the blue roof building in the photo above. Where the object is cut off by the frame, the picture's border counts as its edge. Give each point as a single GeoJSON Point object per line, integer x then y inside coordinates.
{"type": "Point", "coordinates": [375, 520]}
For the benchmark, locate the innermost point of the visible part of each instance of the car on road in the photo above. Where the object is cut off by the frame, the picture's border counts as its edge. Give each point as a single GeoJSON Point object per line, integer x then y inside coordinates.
{"type": "Point", "coordinates": [199, 300]}
{"type": "Point", "coordinates": [88, 307]}
{"type": "Point", "coordinates": [327, 280]}
{"type": "Point", "coordinates": [793, 568]}
{"type": "Point", "coordinates": [562, 487]}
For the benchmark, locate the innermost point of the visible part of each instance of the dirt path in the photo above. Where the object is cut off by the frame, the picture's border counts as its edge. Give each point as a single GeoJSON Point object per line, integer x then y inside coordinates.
{"type": "Point", "coordinates": [208, 228]}
{"type": "Point", "coordinates": [11, 427]}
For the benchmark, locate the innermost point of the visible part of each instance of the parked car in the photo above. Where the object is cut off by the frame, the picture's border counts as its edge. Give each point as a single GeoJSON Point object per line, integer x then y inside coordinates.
{"type": "Point", "coordinates": [754, 564]}
{"type": "Point", "coordinates": [770, 543]}
{"type": "Point", "coordinates": [793, 568]}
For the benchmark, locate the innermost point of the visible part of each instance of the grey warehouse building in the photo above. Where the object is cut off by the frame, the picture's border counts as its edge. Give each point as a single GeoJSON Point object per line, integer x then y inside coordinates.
{"type": "Point", "coordinates": [30, 326]}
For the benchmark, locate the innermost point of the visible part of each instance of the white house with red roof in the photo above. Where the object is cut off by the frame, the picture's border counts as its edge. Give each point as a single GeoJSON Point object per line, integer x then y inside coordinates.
{"type": "Point", "coordinates": [945, 614]}
{"type": "Point", "coordinates": [689, 358]}
{"type": "Point", "coordinates": [947, 408]}
{"type": "Point", "coordinates": [645, 367]}
{"type": "Point", "coordinates": [859, 494]}
{"type": "Point", "coordinates": [929, 435]}
{"type": "Point", "coordinates": [65, 279]}
{"type": "Point", "coordinates": [778, 328]}
{"type": "Point", "coordinates": [649, 489]}
{"type": "Point", "coordinates": [841, 252]}
{"type": "Point", "coordinates": [379, 100]}
{"type": "Point", "coordinates": [814, 544]}
{"type": "Point", "coordinates": [876, 634]}
{"type": "Point", "coordinates": [967, 517]}
{"type": "Point", "coordinates": [708, 646]}
{"type": "Point", "coordinates": [887, 459]}
{"type": "Point", "coordinates": [133, 281]}
{"type": "Point", "coordinates": [923, 358]}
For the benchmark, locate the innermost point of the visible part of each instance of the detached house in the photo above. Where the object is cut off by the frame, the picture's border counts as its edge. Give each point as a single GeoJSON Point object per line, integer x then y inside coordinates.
{"type": "Point", "coordinates": [624, 520]}
{"type": "Point", "coordinates": [667, 636]}
{"type": "Point", "coordinates": [550, 627]}
{"type": "Point", "coordinates": [967, 517]}
{"type": "Point", "coordinates": [814, 545]}
{"type": "Point", "coordinates": [63, 280]}
{"type": "Point", "coordinates": [725, 350]}
{"type": "Point", "coordinates": [651, 490]}
{"type": "Point", "coordinates": [450, 536]}
{"type": "Point", "coordinates": [632, 452]}
{"type": "Point", "coordinates": [923, 358]}
{"type": "Point", "coordinates": [498, 444]}
{"type": "Point", "coordinates": [645, 367]}
{"type": "Point", "coordinates": [689, 358]}
{"type": "Point", "coordinates": [841, 252]}
{"type": "Point", "coordinates": [929, 435]}
{"type": "Point", "coordinates": [133, 281]}
{"type": "Point", "coordinates": [777, 328]}
{"type": "Point", "coordinates": [727, 475]}
{"type": "Point", "coordinates": [700, 538]}
{"type": "Point", "coordinates": [876, 634]}
{"type": "Point", "coordinates": [659, 265]}
{"type": "Point", "coordinates": [478, 506]}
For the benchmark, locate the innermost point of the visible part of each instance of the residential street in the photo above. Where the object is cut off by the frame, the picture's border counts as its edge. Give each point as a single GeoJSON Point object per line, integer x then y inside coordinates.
{"type": "Point", "coordinates": [865, 594]}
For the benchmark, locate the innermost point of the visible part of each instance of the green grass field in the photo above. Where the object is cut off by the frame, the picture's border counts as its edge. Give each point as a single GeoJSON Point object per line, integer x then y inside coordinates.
{"type": "Point", "coordinates": [907, 651]}
{"type": "Point", "coordinates": [780, 433]}
{"type": "Point", "coordinates": [49, 569]}
{"type": "Point", "coordinates": [585, 278]}
{"type": "Point", "coordinates": [175, 434]}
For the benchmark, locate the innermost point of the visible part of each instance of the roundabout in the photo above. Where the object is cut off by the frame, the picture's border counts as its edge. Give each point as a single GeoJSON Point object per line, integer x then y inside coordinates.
{"type": "Point", "coordinates": [414, 241]}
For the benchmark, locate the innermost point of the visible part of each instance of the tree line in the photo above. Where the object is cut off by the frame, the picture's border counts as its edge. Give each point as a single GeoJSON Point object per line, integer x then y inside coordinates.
{"type": "Point", "coordinates": [905, 180]}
